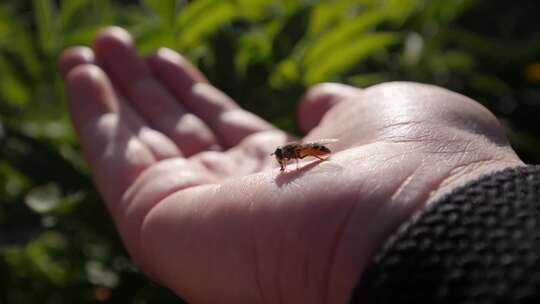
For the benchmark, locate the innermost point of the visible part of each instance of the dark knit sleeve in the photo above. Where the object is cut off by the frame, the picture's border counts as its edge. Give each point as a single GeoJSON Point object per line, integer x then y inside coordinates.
{"type": "Point", "coordinates": [478, 244]}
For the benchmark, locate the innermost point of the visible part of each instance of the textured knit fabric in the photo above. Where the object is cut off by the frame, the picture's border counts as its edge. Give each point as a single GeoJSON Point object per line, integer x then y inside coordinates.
{"type": "Point", "coordinates": [479, 244]}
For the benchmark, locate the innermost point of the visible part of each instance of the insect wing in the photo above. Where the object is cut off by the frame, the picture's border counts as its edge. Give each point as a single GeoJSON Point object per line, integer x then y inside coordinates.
{"type": "Point", "coordinates": [323, 141]}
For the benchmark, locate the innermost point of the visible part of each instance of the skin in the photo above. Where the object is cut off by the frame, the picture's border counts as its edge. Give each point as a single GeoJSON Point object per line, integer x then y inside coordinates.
{"type": "Point", "coordinates": [203, 209]}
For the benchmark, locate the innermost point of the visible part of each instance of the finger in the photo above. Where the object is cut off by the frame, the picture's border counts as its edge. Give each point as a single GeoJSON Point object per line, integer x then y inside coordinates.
{"type": "Point", "coordinates": [319, 99]}
{"type": "Point", "coordinates": [73, 57]}
{"type": "Point", "coordinates": [115, 51]}
{"type": "Point", "coordinates": [159, 144]}
{"type": "Point", "coordinates": [228, 121]}
{"type": "Point", "coordinates": [115, 155]}
{"type": "Point", "coordinates": [251, 155]}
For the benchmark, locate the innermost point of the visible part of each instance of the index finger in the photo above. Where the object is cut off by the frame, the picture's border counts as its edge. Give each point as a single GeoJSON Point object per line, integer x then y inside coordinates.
{"type": "Point", "coordinates": [230, 122]}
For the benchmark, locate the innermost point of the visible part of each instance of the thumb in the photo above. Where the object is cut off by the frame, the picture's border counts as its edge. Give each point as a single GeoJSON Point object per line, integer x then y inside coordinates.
{"type": "Point", "coordinates": [319, 99]}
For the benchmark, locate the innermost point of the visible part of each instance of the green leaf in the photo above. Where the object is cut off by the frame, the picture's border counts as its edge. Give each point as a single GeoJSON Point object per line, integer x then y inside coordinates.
{"type": "Point", "coordinates": [14, 183]}
{"type": "Point", "coordinates": [46, 21]}
{"type": "Point", "coordinates": [286, 72]}
{"type": "Point", "coordinates": [104, 11]}
{"type": "Point", "coordinates": [331, 41]}
{"type": "Point", "coordinates": [214, 18]}
{"type": "Point", "coordinates": [399, 10]}
{"type": "Point", "coordinates": [12, 89]}
{"type": "Point", "coordinates": [459, 61]}
{"type": "Point", "coordinates": [488, 84]}
{"type": "Point", "coordinates": [325, 14]}
{"type": "Point", "coordinates": [365, 80]}
{"type": "Point", "coordinates": [6, 27]}
{"type": "Point", "coordinates": [254, 9]}
{"type": "Point", "coordinates": [350, 54]}
{"type": "Point", "coordinates": [254, 47]}
{"type": "Point", "coordinates": [41, 256]}
{"type": "Point", "coordinates": [18, 41]}
{"type": "Point", "coordinates": [81, 36]}
{"type": "Point", "coordinates": [165, 9]}
{"type": "Point", "coordinates": [151, 40]}
{"type": "Point", "coordinates": [190, 13]}
{"type": "Point", "coordinates": [68, 10]}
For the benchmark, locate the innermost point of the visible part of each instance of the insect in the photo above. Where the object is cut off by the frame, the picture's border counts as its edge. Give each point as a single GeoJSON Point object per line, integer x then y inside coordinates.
{"type": "Point", "coordinates": [299, 150]}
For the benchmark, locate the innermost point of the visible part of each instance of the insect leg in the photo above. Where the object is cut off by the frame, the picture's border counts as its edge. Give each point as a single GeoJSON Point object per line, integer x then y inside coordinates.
{"type": "Point", "coordinates": [283, 164]}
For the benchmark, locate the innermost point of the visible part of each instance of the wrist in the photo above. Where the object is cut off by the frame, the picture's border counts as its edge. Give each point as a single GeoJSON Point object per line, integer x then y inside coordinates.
{"type": "Point", "coordinates": [427, 178]}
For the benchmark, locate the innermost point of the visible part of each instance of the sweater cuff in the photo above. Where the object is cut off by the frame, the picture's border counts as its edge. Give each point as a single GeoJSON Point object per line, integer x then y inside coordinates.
{"type": "Point", "coordinates": [478, 244]}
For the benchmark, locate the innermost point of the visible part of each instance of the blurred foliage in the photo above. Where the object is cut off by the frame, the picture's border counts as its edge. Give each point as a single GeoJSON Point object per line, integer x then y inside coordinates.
{"type": "Point", "coordinates": [56, 247]}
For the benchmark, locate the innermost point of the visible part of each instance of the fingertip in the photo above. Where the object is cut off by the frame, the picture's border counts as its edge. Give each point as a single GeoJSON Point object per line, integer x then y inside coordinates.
{"type": "Point", "coordinates": [112, 44]}
{"type": "Point", "coordinates": [319, 99]}
{"type": "Point", "coordinates": [165, 59]}
{"type": "Point", "coordinates": [73, 57]}
{"type": "Point", "coordinates": [84, 75]}
{"type": "Point", "coordinates": [112, 36]}
{"type": "Point", "coordinates": [116, 53]}
{"type": "Point", "coordinates": [89, 90]}
{"type": "Point", "coordinates": [169, 64]}
{"type": "Point", "coordinates": [168, 54]}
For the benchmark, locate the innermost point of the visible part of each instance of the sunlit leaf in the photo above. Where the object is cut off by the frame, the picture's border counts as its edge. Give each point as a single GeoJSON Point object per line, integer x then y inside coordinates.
{"type": "Point", "coordinates": [287, 71]}
{"type": "Point", "coordinates": [253, 9]}
{"type": "Point", "coordinates": [350, 54]}
{"type": "Point", "coordinates": [253, 47]}
{"type": "Point", "coordinates": [43, 198]}
{"type": "Point", "coordinates": [195, 10]}
{"type": "Point", "coordinates": [216, 17]}
{"type": "Point", "coordinates": [399, 10]}
{"type": "Point", "coordinates": [150, 40]}
{"type": "Point", "coordinates": [83, 36]}
{"type": "Point", "coordinates": [330, 42]}
{"type": "Point", "coordinates": [325, 14]}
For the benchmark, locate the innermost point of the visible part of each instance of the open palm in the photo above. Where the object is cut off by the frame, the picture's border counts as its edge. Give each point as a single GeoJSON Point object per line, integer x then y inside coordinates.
{"type": "Point", "coordinates": [204, 210]}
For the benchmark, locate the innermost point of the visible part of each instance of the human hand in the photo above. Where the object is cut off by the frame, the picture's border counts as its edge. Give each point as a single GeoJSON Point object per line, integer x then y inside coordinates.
{"type": "Point", "coordinates": [204, 210]}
